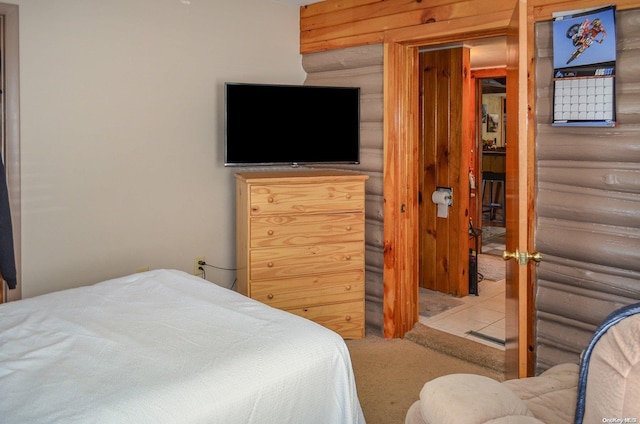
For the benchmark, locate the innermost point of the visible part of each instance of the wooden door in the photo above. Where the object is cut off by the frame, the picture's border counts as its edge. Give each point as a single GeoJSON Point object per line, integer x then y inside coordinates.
{"type": "Point", "coordinates": [445, 149]}
{"type": "Point", "coordinates": [519, 195]}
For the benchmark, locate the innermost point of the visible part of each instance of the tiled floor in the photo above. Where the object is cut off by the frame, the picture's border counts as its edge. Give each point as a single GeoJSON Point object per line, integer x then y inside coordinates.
{"type": "Point", "coordinates": [479, 318]}
{"type": "Point", "coordinates": [478, 315]}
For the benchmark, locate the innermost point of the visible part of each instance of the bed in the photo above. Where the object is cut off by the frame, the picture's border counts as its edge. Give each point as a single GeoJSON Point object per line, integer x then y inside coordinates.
{"type": "Point", "coordinates": [167, 347]}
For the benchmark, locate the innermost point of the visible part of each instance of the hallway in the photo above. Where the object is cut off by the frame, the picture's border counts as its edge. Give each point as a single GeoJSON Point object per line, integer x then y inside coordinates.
{"type": "Point", "coordinates": [478, 318]}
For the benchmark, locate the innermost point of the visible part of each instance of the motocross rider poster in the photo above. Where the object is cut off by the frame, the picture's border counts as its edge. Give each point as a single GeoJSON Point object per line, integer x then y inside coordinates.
{"type": "Point", "coordinates": [584, 62]}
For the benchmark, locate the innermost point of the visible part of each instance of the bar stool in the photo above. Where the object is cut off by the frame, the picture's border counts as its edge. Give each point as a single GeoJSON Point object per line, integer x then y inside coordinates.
{"type": "Point", "coordinates": [495, 181]}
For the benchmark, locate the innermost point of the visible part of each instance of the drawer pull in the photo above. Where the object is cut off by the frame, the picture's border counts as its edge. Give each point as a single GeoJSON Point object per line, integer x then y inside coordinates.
{"type": "Point", "coordinates": [270, 232]}
{"type": "Point", "coordinates": [348, 196]}
{"type": "Point", "coordinates": [348, 257]}
{"type": "Point", "coordinates": [270, 264]}
{"type": "Point", "coordinates": [348, 288]}
{"type": "Point", "coordinates": [348, 227]}
{"type": "Point", "coordinates": [270, 296]}
{"type": "Point", "coordinates": [348, 318]}
{"type": "Point", "coordinates": [270, 199]}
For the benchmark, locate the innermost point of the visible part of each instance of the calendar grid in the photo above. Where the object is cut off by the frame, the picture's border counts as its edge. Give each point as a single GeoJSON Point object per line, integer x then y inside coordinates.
{"type": "Point", "coordinates": [584, 99]}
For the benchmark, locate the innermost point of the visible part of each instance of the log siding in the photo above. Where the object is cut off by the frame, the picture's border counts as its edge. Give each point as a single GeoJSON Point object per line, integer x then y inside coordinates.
{"type": "Point", "coordinates": [362, 67]}
{"type": "Point", "coordinates": [587, 190]}
{"type": "Point", "coordinates": [588, 206]}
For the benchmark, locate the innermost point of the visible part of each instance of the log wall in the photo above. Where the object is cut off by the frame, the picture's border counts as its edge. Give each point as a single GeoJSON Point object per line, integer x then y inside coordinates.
{"type": "Point", "coordinates": [588, 180]}
{"type": "Point", "coordinates": [362, 67]}
{"type": "Point", "coordinates": [588, 206]}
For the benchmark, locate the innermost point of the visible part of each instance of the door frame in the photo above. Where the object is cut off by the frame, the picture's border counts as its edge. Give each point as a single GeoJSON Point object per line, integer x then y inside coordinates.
{"type": "Point", "coordinates": [476, 77]}
{"type": "Point", "coordinates": [401, 138]}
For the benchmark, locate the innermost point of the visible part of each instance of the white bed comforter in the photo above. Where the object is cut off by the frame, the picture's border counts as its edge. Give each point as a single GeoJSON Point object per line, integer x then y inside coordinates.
{"type": "Point", "coordinates": [166, 347]}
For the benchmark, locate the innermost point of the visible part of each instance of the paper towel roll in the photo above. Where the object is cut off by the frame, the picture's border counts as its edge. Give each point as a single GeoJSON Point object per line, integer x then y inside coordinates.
{"type": "Point", "coordinates": [441, 198]}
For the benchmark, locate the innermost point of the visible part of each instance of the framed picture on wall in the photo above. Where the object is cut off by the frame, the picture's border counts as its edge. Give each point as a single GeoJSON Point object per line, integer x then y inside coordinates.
{"type": "Point", "coordinates": [493, 122]}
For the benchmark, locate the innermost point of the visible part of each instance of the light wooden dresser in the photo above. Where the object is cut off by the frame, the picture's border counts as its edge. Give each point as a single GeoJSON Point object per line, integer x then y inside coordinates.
{"type": "Point", "coordinates": [300, 244]}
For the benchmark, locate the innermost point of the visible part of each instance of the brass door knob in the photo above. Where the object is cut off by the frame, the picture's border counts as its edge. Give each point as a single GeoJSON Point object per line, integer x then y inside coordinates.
{"type": "Point", "coordinates": [522, 257]}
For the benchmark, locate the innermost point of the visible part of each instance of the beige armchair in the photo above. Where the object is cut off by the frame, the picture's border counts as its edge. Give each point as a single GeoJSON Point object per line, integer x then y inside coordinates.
{"type": "Point", "coordinates": [604, 388]}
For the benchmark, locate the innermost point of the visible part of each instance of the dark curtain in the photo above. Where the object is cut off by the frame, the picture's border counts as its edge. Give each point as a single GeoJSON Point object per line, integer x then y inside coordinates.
{"type": "Point", "coordinates": [7, 254]}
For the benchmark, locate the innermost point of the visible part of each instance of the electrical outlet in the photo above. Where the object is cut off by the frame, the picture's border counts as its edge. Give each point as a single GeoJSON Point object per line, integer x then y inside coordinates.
{"type": "Point", "coordinates": [196, 271]}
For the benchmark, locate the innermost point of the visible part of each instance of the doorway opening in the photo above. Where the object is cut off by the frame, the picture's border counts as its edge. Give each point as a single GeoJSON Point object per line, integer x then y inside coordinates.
{"type": "Point", "coordinates": [480, 316]}
{"type": "Point", "coordinates": [491, 159]}
{"type": "Point", "coordinates": [401, 141]}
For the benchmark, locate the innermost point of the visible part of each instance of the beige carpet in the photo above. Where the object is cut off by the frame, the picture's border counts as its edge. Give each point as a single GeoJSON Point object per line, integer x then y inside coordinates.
{"type": "Point", "coordinates": [465, 349]}
{"type": "Point", "coordinates": [390, 373]}
{"type": "Point", "coordinates": [491, 267]}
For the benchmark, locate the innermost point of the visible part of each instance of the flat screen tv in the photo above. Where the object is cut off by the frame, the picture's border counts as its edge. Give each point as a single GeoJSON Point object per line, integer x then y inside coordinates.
{"type": "Point", "coordinates": [268, 124]}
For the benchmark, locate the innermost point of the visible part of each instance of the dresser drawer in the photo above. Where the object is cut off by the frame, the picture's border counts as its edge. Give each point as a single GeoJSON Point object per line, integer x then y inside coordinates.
{"type": "Point", "coordinates": [346, 319]}
{"type": "Point", "coordinates": [306, 198]}
{"type": "Point", "coordinates": [308, 291]}
{"type": "Point", "coordinates": [292, 230]}
{"type": "Point", "coordinates": [305, 260]}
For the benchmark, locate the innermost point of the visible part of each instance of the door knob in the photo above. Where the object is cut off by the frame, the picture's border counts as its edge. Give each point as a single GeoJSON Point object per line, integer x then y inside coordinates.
{"type": "Point", "coordinates": [522, 257]}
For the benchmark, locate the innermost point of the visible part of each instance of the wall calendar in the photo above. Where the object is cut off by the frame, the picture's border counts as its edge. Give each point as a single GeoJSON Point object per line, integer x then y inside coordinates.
{"type": "Point", "coordinates": [584, 62]}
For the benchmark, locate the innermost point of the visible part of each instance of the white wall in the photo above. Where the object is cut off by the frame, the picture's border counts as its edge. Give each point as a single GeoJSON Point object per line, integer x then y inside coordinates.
{"type": "Point", "coordinates": [122, 131]}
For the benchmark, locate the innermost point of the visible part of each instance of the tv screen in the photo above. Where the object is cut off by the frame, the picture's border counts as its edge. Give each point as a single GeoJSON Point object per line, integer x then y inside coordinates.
{"type": "Point", "coordinates": [268, 124]}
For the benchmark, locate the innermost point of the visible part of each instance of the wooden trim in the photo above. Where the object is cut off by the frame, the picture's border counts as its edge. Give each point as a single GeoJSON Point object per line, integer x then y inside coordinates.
{"type": "Point", "coordinates": [476, 76]}
{"type": "Point", "coordinates": [543, 10]}
{"type": "Point", "coordinates": [470, 28]}
{"type": "Point", "coordinates": [338, 24]}
{"type": "Point", "coordinates": [391, 272]}
{"type": "Point", "coordinates": [400, 181]}
{"type": "Point", "coordinates": [489, 73]}
{"type": "Point", "coordinates": [460, 174]}
{"type": "Point", "coordinates": [531, 191]}
{"type": "Point", "coordinates": [401, 134]}
{"type": "Point", "coordinates": [334, 24]}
